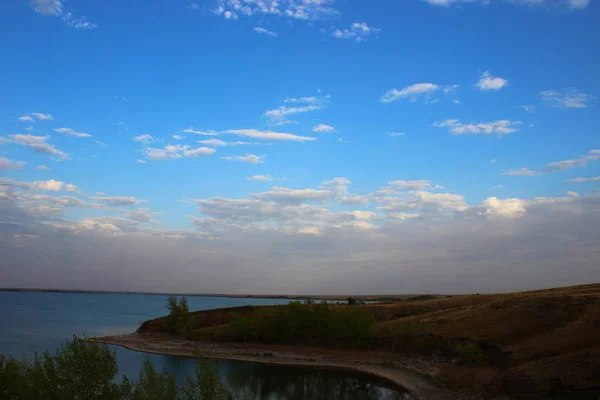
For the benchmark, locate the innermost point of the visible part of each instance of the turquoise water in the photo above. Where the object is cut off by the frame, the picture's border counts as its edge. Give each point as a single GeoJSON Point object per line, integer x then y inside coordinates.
{"type": "Point", "coordinates": [34, 321]}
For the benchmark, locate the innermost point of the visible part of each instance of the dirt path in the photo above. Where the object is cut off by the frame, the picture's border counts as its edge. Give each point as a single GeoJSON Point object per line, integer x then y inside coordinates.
{"type": "Point", "coordinates": [412, 374]}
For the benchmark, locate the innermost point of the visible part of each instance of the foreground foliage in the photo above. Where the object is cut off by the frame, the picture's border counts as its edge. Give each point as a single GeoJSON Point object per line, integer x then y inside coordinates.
{"type": "Point", "coordinates": [82, 370]}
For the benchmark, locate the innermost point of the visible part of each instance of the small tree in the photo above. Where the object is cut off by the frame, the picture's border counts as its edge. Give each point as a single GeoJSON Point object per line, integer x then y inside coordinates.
{"type": "Point", "coordinates": [179, 320]}
{"type": "Point", "coordinates": [351, 301]}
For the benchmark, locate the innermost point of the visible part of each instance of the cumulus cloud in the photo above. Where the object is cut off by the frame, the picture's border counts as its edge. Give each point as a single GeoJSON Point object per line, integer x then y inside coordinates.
{"type": "Point", "coordinates": [500, 127]}
{"type": "Point", "coordinates": [358, 31]}
{"type": "Point", "coordinates": [248, 158]}
{"type": "Point", "coordinates": [566, 98]}
{"type": "Point", "coordinates": [278, 241]}
{"type": "Point", "coordinates": [42, 168]}
{"type": "Point", "coordinates": [323, 128]}
{"type": "Point", "coordinates": [71, 132]}
{"type": "Point", "coordinates": [489, 82]}
{"type": "Point", "coordinates": [414, 184]}
{"type": "Point", "coordinates": [145, 138]}
{"type": "Point", "coordinates": [6, 164]}
{"type": "Point", "coordinates": [40, 145]}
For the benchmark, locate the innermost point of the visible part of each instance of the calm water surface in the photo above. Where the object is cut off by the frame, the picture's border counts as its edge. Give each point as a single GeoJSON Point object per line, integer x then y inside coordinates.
{"type": "Point", "coordinates": [41, 321]}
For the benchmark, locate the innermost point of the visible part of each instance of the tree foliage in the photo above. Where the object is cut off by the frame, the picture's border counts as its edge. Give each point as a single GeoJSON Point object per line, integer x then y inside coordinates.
{"type": "Point", "coordinates": [179, 320]}
{"type": "Point", "coordinates": [296, 322]}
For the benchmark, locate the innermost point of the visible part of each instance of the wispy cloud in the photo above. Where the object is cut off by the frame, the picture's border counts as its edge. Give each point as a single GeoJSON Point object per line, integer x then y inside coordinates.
{"type": "Point", "coordinates": [358, 31]}
{"type": "Point", "coordinates": [566, 98]}
{"type": "Point", "coordinates": [263, 31]}
{"type": "Point", "coordinates": [396, 134]}
{"type": "Point", "coordinates": [221, 143]}
{"type": "Point", "coordinates": [203, 133]}
{"type": "Point", "coordinates": [292, 9]}
{"type": "Point", "coordinates": [592, 155]}
{"type": "Point", "coordinates": [71, 132]}
{"type": "Point", "coordinates": [412, 92]}
{"type": "Point", "coordinates": [501, 127]}
{"type": "Point", "coordinates": [583, 180]}
{"type": "Point", "coordinates": [174, 152]}
{"type": "Point", "coordinates": [268, 135]}
{"type": "Point", "coordinates": [574, 4]}
{"type": "Point", "coordinates": [527, 107]}
{"type": "Point", "coordinates": [522, 172]}
{"type": "Point", "coordinates": [33, 117]}
{"type": "Point", "coordinates": [55, 8]}
{"type": "Point", "coordinates": [489, 82]}
{"type": "Point", "coordinates": [40, 145]}
{"type": "Point", "coordinates": [248, 158]}
{"type": "Point", "coordinates": [264, 178]}
{"type": "Point", "coordinates": [280, 115]}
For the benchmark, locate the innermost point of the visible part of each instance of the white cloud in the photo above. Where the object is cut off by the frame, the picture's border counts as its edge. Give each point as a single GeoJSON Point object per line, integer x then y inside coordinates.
{"type": "Point", "coordinates": [200, 151]}
{"type": "Point", "coordinates": [40, 145]}
{"type": "Point", "coordinates": [496, 187]}
{"type": "Point", "coordinates": [43, 168]}
{"type": "Point", "coordinates": [414, 184]}
{"type": "Point", "coordinates": [71, 132]}
{"type": "Point", "coordinates": [396, 134]}
{"type": "Point", "coordinates": [197, 132]}
{"type": "Point", "coordinates": [5, 164]}
{"type": "Point", "coordinates": [358, 31]}
{"type": "Point", "coordinates": [566, 98]}
{"type": "Point", "coordinates": [221, 143]}
{"type": "Point", "coordinates": [78, 22]}
{"type": "Point", "coordinates": [592, 155]}
{"type": "Point", "coordinates": [412, 92]}
{"type": "Point", "coordinates": [145, 138]}
{"type": "Point", "coordinates": [248, 158]}
{"type": "Point", "coordinates": [47, 7]}
{"type": "Point", "coordinates": [177, 137]}
{"type": "Point", "coordinates": [493, 161]}
{"type": "Point", "coordinates": [268, 135]}
{"type": "Point", "coordinates": [53, 185]}
{"type": "Point", "coordinates": [264, 178]}
{"type": "Point", "coordinates": [527, 107]}
{"type": "Point", "coordinates": [140, 161]}
{"type": "Point", "coordinates": [174, 152]}
{"type": "Point", "coordinates": [583, 180]}
{"type": "Point", "coordinates": [489, 82]}
{"type": "Point", "coordinates": [292, 9]}
{"type": "Point", "coordinates": [575, 4]}
{"type": "Point", "coordinates": [32, 117]}
{"type": "Point", "coordinates": [264, 31]}
{"type": "Point", "coordinates": [522, 172]}
{"type": "Point", "coordinates": [500, 127]}
{"type": "Point", "coordinates": [118, 200]}
{"type": "Point", "coordinates": [508, 208]}
{"type": "Point", "coordinates": [323, 128]}
{"type": "Point", "coordinates": [301, 100]}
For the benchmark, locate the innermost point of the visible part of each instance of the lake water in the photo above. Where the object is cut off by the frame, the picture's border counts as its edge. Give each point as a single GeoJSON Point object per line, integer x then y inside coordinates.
{"type": "Point", "coordinates": [33, 321]}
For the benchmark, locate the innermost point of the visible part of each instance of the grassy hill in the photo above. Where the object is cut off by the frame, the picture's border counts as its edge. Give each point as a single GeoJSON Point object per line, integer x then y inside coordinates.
{"type": "Point", "coordinates": [543, 343]}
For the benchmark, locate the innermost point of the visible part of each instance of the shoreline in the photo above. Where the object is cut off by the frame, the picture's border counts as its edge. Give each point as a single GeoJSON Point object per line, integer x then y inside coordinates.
{"type": "Point", "coordinates": [418, 383]}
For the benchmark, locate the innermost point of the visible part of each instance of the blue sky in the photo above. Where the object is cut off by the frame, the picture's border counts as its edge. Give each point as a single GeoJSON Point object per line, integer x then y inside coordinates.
{"type": "Point", "coordinates": [214, 119]}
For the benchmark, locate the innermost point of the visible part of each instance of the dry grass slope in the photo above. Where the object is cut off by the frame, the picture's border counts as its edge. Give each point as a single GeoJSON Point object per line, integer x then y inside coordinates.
{"type": "Point", "coordinates": [543, 343]}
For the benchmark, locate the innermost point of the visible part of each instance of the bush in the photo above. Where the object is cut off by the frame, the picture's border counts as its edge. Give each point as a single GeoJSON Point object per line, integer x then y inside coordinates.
{"type": "Point", "coordinates": [295, 322]}
{"type": "Point", "coordinates": [179, 320]}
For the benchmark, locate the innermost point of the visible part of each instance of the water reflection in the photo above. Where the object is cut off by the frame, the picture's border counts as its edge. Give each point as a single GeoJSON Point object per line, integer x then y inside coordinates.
{"type": "Point", "coordinates": [274, 382]}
